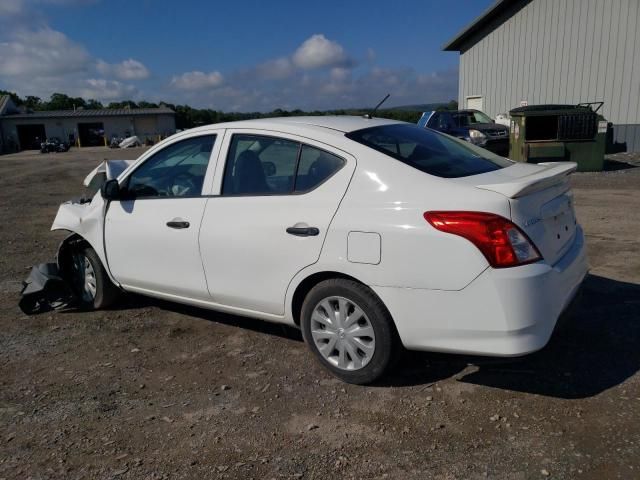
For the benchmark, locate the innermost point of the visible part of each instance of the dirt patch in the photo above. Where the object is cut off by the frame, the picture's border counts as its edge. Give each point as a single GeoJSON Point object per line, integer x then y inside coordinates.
{"type": "Point", "coordinates": [155, 390]}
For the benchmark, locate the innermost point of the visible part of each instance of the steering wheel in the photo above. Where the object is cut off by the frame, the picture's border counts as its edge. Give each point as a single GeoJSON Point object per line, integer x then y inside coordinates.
{"type": "Point", "coordinates": [183, 184]}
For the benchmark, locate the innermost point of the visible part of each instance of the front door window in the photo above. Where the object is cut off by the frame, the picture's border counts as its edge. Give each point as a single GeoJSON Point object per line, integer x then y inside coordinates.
{"type": "Point", "coordinates": [175, 171]}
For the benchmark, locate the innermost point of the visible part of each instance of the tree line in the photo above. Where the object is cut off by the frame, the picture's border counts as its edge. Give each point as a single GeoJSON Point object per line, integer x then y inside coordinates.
{"type": "Point", "coordinates": [189, 117]}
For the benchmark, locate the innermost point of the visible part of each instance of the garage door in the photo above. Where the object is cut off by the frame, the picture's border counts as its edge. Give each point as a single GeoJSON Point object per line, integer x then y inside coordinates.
{"type": "Point", "coordinates": [30, 136]}
{"type": "Point", "coordinates": [91, 134]}
{"type": "Point", "coordinates": [474, 103]}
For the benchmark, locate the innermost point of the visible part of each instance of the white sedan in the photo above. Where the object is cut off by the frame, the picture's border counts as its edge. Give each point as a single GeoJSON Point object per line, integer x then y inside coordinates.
{"type": "Point", "coordinates": [368, 234]}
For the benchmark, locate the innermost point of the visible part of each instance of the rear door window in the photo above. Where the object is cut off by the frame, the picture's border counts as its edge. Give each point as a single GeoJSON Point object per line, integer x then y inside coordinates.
{"type": "Point", "coordinates": [429, 151]}
{"type": "Point", "coordinates": [264, 165]}
{"type": "Point", "coordinates": [259, 165]}
{"type": "Point", "coordinates": [315, 167]}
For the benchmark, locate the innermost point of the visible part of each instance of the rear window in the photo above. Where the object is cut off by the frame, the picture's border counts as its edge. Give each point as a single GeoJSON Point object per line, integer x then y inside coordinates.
{"type": "Point", "coordinates": [429, 151]}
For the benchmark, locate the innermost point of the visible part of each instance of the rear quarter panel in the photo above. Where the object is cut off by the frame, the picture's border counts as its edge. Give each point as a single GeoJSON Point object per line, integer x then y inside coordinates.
{"type": "Point", "coordinates": [388, 197]}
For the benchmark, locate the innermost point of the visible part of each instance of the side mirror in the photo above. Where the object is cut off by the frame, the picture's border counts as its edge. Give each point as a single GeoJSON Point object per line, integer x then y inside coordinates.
{"type": "Point", "coordinates": [110, 190]}
{"type": "Point", "coordinates": [269, 168]}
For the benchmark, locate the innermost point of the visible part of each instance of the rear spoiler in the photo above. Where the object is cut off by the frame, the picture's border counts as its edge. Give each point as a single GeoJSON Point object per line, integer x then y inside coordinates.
{"type": "Point", "coordinates": [554, 173]}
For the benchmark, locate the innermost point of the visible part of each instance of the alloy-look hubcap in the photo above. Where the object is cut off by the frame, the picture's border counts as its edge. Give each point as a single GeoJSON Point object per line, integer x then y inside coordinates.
{"type": "Point", "coordinates": [85, 277]}
{"type": "Point", "coordinates": [342, 333]}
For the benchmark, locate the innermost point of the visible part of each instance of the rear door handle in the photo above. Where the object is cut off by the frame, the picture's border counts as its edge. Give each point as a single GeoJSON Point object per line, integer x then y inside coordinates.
{"type": "Point", "coordinates": [178, 223]}
{"type": "Point", "coordinates": [303, 231]}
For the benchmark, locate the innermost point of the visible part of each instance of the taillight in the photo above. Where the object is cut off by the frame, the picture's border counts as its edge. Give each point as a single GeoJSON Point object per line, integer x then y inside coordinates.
{"type": "Point", "coordinates": [500, 241]}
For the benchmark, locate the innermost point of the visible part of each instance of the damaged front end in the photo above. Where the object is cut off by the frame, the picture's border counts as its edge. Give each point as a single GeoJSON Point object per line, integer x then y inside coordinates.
{"type": "Point", "coordinates": [50, 286]}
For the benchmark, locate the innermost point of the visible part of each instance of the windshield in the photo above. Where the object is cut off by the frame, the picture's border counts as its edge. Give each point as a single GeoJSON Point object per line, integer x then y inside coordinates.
{"type": "Point", "coordinates": [464, 119]}
{"type": "Point", "coordinates": [429, 151]}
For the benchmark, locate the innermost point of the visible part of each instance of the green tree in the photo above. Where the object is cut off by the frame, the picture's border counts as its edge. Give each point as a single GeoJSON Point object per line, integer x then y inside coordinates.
{"type": "Point", "coordinates": [144, 104]}
{"type": "Point", "coordinates": [93, 105]}
{"type": "Point", "coordinates": [33, 103]}
{"type": "Point", "coordinates": [124, 104]}
{"type": "Point", "coordinates": [60, 101]}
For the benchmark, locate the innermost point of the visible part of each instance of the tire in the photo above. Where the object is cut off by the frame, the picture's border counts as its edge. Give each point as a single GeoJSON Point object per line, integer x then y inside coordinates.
{"type": "Point", "coordinates": [90, 281]}
{"type": "Point", "coordinates": [374, 354]}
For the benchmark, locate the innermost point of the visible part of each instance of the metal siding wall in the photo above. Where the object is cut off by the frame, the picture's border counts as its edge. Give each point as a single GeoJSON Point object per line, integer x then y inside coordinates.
{"type": "Point", "coordinates": [634, 103]}
{"type": "Point", "coordinates": [461, 75]}
{"type": "Point", "coordinates": [628, 56]}
{"type": "Point", "coordinates": [560, 51]}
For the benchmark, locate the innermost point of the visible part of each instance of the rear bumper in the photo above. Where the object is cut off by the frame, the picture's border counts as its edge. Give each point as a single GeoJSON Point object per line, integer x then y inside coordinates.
{"type": "Point", "coordinates": [503, 312]}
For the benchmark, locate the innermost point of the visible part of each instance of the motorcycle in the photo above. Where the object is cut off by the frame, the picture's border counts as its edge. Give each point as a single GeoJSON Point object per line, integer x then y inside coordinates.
{"type": "Point", "coordinates": [53, 145]}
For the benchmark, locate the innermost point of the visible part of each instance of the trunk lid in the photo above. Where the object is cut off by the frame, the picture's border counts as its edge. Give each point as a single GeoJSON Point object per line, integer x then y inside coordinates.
{"type": "Point", "coordinates": [541, 202]}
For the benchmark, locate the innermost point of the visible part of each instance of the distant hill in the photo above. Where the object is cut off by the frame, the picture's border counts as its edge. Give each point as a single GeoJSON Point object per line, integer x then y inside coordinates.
{"type": "Point", "coordinates": [425, 107]}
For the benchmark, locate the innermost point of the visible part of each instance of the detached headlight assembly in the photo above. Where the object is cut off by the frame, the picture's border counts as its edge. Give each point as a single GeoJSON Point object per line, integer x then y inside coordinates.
{"type": "Point", "coordinates": [477, 137]}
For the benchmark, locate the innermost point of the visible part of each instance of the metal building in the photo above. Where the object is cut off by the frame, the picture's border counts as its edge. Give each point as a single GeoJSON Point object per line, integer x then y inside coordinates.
{"type": "Point", "coordinates": [24, 131]}
{"type": "Point", "coordinates": [521, 52]}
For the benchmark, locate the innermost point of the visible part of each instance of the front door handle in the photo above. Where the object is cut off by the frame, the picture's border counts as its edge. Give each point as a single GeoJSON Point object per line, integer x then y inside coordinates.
{"type": "Point", "coordinates": [178, 224]}
{"type": "Point", "coordinates": [303, 231]}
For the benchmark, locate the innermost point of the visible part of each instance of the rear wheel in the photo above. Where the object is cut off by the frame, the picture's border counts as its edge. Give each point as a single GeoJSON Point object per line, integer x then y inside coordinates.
{"type": "Point", "coordinates": [90, 281]}
{"type": "Point", "coordinates": [349, 330]}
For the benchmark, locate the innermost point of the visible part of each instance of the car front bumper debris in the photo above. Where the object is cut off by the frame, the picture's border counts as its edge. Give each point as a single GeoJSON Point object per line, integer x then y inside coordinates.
{"type": "Point", "coordinates": [45, 290]}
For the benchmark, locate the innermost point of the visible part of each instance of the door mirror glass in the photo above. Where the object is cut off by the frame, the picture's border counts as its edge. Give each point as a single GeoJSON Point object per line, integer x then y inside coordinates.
{"type": "Point", "coordinates": [110, 190]}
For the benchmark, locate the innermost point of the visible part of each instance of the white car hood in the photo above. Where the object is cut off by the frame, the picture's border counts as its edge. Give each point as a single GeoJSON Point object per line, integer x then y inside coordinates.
{"type": "Point", "coordinates": [106, 171]}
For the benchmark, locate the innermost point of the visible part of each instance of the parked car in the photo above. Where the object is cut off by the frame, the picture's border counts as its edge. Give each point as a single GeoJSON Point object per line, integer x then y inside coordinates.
{"type": "Point", "coordinates": [470, 125]}
{"type": "Point", "coordinates": [367, 234]}
{"type": "Point", "coordinates": [53, 144]}
{"type": "Point", "coordinates": [130, 142]}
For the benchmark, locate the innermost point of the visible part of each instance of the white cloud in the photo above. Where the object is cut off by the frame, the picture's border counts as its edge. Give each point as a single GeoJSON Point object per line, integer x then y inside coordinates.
{"type": "Point", "coordinates": [318, 52]}
{"type": "Point", "coordinates": [340, 74]}
{"type": "Point", "coordinates": [323, 90]}
{"type": "Point", "coordinates": [197, 80]}
{"type": "Point", "coordinates": [275, 69]}
{"type": "Point", "coordinates": [104, 90]}
{"type": "Point", "coordinates": [319, 74]}
{"type": "Point", "coordinates": [38, 60]}
{"type": "Point", "coordinates": [11, 7]}
{"type": "Point", "coordinates": [126, 70]}
{"type": "Point", "coordinates": [41, 52]}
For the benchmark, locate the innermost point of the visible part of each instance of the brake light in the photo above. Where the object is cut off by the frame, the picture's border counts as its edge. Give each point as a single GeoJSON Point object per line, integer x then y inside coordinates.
{"type": "Point", "coordinates": [501, 242]}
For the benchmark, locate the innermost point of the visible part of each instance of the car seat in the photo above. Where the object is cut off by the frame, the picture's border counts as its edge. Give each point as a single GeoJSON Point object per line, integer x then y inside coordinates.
{"type": "Point", "coordinates": [249, 175]}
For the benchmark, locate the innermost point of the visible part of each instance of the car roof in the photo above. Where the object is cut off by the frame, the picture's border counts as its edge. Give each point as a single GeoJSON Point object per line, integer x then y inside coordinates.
{"type": "Point", "coordinates": [337, 123]}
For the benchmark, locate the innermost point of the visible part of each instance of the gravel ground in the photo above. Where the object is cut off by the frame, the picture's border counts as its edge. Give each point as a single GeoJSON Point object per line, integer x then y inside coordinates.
{"type": "Point", "coordinates": [153, 390]}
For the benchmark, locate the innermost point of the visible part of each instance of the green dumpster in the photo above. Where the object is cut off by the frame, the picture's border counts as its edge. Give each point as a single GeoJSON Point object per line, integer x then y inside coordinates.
{"type": "Point", "coordinates": [558, 133]}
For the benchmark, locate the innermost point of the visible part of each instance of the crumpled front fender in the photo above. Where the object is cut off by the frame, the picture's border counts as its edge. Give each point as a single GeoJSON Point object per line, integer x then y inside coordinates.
{"type": "Point", "coordinates": [87, 221]}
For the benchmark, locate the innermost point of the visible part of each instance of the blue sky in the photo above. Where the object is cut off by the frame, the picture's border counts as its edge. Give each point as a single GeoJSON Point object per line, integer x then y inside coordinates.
{"type": "Point", "coordinates": [243, 55]}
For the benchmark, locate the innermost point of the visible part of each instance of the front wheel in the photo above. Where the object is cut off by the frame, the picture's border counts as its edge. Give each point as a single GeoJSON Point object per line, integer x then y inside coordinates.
{"type": "Point", "coordinates": [90, 281]}
{"type": "Point", "coordinates": [349, 330]}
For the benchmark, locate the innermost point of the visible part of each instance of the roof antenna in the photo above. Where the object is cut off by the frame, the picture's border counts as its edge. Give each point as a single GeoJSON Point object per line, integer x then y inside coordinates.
{"type": "Point", "coordinates": [369, 114]}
